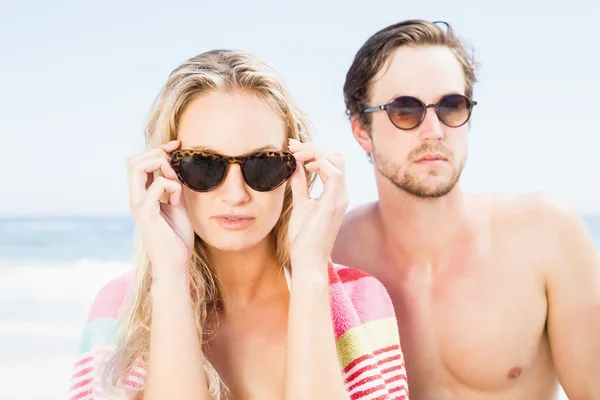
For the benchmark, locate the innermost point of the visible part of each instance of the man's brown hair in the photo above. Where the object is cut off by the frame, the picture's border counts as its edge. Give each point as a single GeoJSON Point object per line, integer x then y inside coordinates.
{"type": "Point", "coordinates": [376, 51]}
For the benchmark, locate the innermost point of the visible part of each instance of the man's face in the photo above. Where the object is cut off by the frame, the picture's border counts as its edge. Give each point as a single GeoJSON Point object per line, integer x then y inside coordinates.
{"type": "Point", "coordinates": [428, 160]}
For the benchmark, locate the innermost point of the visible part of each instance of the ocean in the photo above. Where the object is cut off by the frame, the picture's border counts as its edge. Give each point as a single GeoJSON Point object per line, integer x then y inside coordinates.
{"type": "Point", "coordinates": [50, 271]}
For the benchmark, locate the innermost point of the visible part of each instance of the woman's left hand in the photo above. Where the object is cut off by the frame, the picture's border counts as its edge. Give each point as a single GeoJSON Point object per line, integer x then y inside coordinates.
{"type": "Point", "coordinates": [315, 222]}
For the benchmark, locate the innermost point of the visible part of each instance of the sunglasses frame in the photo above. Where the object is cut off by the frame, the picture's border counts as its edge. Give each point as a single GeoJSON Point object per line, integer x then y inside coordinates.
{"type": "Point", "coordinates": [178, 155]}
{"type": "Point", "coordinates": [471, 103]}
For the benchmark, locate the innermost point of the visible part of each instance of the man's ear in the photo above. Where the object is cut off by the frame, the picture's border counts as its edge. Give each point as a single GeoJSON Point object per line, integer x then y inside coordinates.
{"type": "Point", "coordinates": [362, 136]}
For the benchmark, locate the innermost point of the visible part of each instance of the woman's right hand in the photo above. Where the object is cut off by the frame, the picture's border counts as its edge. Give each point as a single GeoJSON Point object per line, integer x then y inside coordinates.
{"type": "Point", "coordinates": [165, 228]}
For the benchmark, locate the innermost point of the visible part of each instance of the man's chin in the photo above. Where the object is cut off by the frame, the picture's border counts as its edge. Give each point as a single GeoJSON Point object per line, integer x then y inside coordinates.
{"type": "Point", "coordinates": [427, 187]}
{"type": "Point", "coordinates": [422, 181]}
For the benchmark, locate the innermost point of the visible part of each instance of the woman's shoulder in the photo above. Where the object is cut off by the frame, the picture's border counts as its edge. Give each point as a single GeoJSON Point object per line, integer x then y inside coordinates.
{"type": "Point", "coordinates": [109, 300]}
{"type": "Point", "coordinates": [102, 321]}
{"type": "Point", "coordinates": [366, 292]}
{"type": "Point", "coordinates": [358, 298]}
{"type": "Point", "coordinates": [99, 336]}
{"type": "Point", "coordinates": [366, 334]}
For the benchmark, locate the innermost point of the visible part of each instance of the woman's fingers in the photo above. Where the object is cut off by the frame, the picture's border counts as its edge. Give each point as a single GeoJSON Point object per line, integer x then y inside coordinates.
{"type": "Point", "coordinates": [329, 174]}
{"type": "Point", "coordinates": [160, 151]}
{"type": "Point", "coordinates": [141, 176]}
{"type": "Point", "coordinates": [313, 155]}
{"type": "Point", "coordinates": [307, 152]}
{"type": "Point", "coordinates": [329, 165]}
{"type": "Point", "coordinates": [299, 185]}
{"type": "Point", "coordinates": [141, 169]}
{"type": "Point", "coordinates": [159, 187]}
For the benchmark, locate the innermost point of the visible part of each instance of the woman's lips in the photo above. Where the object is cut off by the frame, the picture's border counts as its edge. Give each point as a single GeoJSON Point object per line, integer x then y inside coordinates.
{"type": "Point", "coordinates": [233, 221]}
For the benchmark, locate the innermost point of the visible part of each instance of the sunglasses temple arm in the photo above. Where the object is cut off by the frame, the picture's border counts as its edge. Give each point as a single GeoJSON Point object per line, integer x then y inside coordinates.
{"type": "Point", "coordinates": [371, 109]}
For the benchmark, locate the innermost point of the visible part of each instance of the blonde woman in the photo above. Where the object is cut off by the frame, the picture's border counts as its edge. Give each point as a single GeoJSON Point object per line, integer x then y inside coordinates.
{"type": "Point", "coordinates": [234, 295]}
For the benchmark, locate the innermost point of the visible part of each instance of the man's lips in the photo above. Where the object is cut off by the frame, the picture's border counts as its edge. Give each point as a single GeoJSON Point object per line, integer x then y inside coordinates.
{"type": "Point", "coordinates": [431, 158]}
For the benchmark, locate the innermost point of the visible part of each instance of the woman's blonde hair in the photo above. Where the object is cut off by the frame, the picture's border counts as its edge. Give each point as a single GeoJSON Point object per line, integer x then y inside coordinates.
{"type": "Point", "coordinates": [217, 70]}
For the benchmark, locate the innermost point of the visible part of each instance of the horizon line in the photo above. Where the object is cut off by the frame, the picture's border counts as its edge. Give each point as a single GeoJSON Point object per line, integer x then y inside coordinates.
{"type": "Point", "coordinates": [129, 216]}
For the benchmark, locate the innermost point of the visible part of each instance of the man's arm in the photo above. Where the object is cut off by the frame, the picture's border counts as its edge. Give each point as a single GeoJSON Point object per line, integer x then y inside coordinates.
{"type": "Point", "coordinates": [573, 289]}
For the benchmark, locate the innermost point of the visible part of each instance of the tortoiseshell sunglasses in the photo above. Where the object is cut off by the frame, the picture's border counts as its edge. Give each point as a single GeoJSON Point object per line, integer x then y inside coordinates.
{"type": "Point", "coordinates": [204, 171]}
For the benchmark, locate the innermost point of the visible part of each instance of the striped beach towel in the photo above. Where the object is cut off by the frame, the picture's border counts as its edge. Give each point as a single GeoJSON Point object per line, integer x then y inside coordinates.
{"type": "Point", "coordinates": [366, 333]}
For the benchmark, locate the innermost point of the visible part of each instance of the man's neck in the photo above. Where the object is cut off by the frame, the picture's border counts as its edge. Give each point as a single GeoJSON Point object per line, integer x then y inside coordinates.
{"type": "Point", "coordinates": [421, 229]}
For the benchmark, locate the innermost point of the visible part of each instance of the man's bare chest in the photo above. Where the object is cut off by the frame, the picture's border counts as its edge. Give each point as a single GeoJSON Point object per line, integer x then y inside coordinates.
{"type": "Point", "coordinates": [476, 325]}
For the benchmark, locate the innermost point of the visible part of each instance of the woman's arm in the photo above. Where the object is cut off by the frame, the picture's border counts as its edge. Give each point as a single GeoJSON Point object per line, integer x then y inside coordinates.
{"type": "Point", "coordinates": [313, 370]}
{"type": "Point", "coordinates": [175, 367]}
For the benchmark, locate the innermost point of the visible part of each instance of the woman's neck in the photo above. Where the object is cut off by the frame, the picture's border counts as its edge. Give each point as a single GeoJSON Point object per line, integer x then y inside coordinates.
{"type": "Point", "coordinates": [246, 277]}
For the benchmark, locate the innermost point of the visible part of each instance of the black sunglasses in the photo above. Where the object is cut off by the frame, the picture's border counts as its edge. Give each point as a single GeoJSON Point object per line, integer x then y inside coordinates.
{"type": "Point", "coordinates": [204, 171]}
{"type": "Point", "coordinates": [408, 112]}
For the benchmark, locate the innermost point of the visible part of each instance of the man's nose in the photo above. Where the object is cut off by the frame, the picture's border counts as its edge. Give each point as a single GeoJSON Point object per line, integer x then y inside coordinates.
{"type": "Point", "coordinates": [431, 127]}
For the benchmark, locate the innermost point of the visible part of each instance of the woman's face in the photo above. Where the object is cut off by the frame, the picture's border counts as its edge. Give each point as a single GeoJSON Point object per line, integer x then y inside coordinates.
{"type": "Point", "coordinates": [233, 216]}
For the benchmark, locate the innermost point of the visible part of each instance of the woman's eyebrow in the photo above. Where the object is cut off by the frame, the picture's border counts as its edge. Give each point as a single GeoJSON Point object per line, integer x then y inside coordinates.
{"type": "Point", "coordinates": [208, 149]}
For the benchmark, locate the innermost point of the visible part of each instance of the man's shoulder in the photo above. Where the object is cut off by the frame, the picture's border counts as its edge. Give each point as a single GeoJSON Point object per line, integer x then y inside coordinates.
{"type": "Point", "coordinates": [542, 222]}
{"type": "Point", "coordinates": [357, 236]}
{"type": "Point", "coordinates": [360, 215]}
{"type": "Point", "coordinates": [537, 210]}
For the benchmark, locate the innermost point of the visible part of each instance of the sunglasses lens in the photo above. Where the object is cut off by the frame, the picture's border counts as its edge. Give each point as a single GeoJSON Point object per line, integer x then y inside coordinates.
{"type": "Point", "coordinates": [454, 110]}
{"type": "Point", "coordinates": [406, 112]}
{"type": "Point", "coordinates": [268, 171]}
{"type": "Point", "coordinates": [202, 172]}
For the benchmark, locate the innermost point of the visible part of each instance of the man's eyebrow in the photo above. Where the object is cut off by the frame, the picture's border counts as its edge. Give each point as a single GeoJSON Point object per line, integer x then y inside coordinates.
{"type": "Point", "coordinates": [417, 97]}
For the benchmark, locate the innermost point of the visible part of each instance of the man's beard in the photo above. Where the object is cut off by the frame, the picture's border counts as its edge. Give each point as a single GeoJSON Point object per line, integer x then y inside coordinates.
{"type": "Point", "coordinates": [417, 185]}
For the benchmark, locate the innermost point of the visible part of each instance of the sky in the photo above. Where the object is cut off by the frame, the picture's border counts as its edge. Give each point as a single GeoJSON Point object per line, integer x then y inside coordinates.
{"type": "Point", "coordinates": [77, 79]}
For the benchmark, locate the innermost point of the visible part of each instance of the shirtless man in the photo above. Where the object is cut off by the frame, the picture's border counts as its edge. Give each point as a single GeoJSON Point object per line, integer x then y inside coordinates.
{"type": "Point", "coordinates": [496, 297]}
